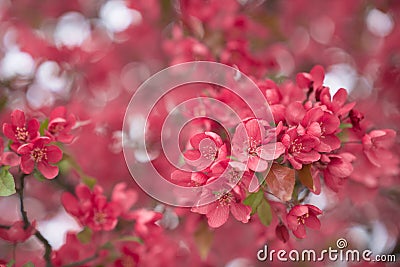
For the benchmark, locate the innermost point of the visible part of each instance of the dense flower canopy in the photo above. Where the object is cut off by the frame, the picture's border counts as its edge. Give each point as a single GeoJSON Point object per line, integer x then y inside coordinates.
{"type": "Point", "coordinates": [325, 166]}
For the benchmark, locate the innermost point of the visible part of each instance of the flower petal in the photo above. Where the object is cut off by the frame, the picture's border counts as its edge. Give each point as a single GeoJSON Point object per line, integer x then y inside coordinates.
{"type": "Point", "coordinates": [47, 170]}
{"type": "Point", "coordinates": [218, 216]}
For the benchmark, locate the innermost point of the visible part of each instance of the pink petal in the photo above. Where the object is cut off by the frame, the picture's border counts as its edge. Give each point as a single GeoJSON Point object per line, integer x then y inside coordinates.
{"type": "Point", "coordinates": [196, 139]}
{"type": "Point", "coordinates": [218, 216]}
{"type": "Point", "coordinates": [8, 131]}
{"type": "Point", "coordinates": [25, 149]}
{"type": "Point", "coordinates": [256, 164]}
{"type": "Point", "coordinates": [54, 154]}
{"type": "Point", "coordinates": [10, 158]}
{"type": "Point", "coordinates": [318, 75]}
{"type": "Point", "coordinates": [33, 128]}
{"type": "Point", "coordinates": [58, 112]}
{"type": "Point", "coordinates": [254, 129]}
{"type": "Point", "coordinates": [70, 203]}
{"type": "Point", "coordinates": [47, 170]}
{"type": "Point", "coordinates": [300, 232]}
{"type": "Point", "coordinates": [340, 97]}
{"type": "Point", "coordinates": [295, 113]}
{"type": "Point", "coordinates": [192, 154]}
{"type": "Point", "coordinates": [303, 80]}
{"type": "Point", "coordinates": [313, 222]}
{"type": "Point", "coordinates": [271, 151]}
{"type": "Point", "coordinates": [241, 212]}
{"type": "Point", "coordinates": [18, 118]}
{"type": "Point", "coordinates": [308, 157]}
{"type": "Point", "coordinates": [27, 164]}
{"type": "Point", "coordinates": [299, 210]}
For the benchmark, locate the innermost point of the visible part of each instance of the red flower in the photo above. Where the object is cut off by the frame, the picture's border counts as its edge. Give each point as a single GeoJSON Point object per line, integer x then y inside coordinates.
{"type": "Point", "coordinates": [323, 125]}
{"type": "Point", "coordinates": [300, 147]}
{"type": "Point", "coordinates": [217, 212]}
{"type": "Point", "coordinates": [377, 144]}
{"type": "Point", "coordinates": [60, 125]}
{"type": "Point", "coordinates": [146, 220]}
{"type": "Point", "coordinates": [301, 216]}
{"type": "Point", "coordinates": [40, 153]}
{"type": "Point", "coordinates": [17, 232]}
{"type": "Point", "coordinates": [91, 208]}
{"type": "Point", "coordinates": [19, 131]}
{"type": "Point", "coordinates": [207, 147]}
{"type": "Point", "coordinates": [337, 103]}
{"type": "Point", "coordinates": [312, 80]}
{"type": "Point", "coordinates": [128, 258]}
{"type": "Point", "coordinates": [251, 144]}
{"type": "Point", "coordinates": [336, 167]}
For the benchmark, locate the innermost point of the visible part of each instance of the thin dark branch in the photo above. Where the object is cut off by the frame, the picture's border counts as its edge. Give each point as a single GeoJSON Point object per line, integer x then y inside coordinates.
{"type": "Point", "coordinates": [39, 236]}
{"type": "Point", "coordinates": [2, 226]}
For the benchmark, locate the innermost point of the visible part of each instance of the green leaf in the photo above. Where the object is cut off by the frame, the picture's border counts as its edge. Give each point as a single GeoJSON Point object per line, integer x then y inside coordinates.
{"type": "Point", "coordinates": [345, 125]}
{"type": "Point", "coordinates": [130, 239]}
{"type": "Point", "coordinates": [43, 126]}
{"type": "Point", "coordinates": [89, 181]}
{"type": "Point", "coordinates": [203, 238]}
{"type": "Point", "coordinates": [306, 178]}
{"type": "Point", "coordinates": [253, 200]}
{"type": "Point", "coordinates": [10, 263]}
{"type": "Point", "coordinates": [28, 264]}
{"type": "Point", "coordinates": [85, 236]}
{"type": "Point", "coordinates": [264, 213]}
{"type": "Point", "coordinates": [7, 184]}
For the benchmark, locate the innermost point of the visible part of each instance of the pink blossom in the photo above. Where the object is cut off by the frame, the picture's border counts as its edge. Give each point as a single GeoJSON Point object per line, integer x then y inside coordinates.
{"type": "Point", "coordinates": [207, 147]}
{"type": "Point", "coordinates": [377, 144]}
{"type": "Point", "coordinates": [18, 232]}
{"type": "Point", "coordinates": [323, 125]}
{"type": "Point", "coordinates": [218, 211]}
{"type": "Point", "coordinates": [124, 198]}
{"type": "Point", "coordinates": [312, 80]}
{"type": "Point", "coordinates": [60, 125]}
{"type": "Point", "coordinates": [336, 104]}
{"type": "Point", "coordinates": [251, 144]}
{"type": "Point", "coordinates": [301, 216]}
{"type": "Point", "coordinates": [91, 208]}
{"type": "Point", "coordinates": [41, 154]}
{"type": "Point", "coordinates": [300, 147]}
{"type": "Point", "coordinates": [146, 220]}
{"type": "Point", "coordinates": [336, 168]}
{"type": "Point", "coordinates": [20, 131]}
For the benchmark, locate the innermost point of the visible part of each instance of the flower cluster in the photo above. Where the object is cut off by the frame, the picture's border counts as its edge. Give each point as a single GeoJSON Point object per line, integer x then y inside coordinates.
{"type": "Point", "coordinates": [306, 146]}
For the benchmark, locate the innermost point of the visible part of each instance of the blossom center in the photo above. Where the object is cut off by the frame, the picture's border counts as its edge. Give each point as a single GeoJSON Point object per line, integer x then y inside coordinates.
{"type": "Point", "coordinates": [22, 134]}
{"type": "Point", "coordinates": [209, 152]}
{"type": "Point", "coordinates": [100, 217]}
{"type": "Point", "coordinates": [253, 144]}
{"type": "Point", "coordinates": [297, 147]}
{"type": "Point", "coordinates": [38, 154]}
{"type": "Point", "coordinates": [301, 219]}
{"type": "Point", "coordinates": [56, 128]}
{"type": "Point", "coordinates": [225, 199]}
